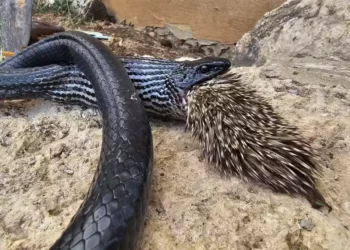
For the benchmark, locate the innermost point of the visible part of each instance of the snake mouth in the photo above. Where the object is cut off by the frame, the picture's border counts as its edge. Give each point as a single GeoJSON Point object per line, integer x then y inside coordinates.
{"type": "Point", "coordinates": [204, 70]}
{"type": "Point", "coordinates": [221, 78]}
{"type": "Point", "coordinates": [216, 79]}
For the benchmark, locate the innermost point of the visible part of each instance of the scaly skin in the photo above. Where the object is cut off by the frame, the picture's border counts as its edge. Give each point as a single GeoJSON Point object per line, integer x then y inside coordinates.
{"type": "Point", "coordinates": [161, 84]}
{"type": "Point", "coordinates": [112, 215]}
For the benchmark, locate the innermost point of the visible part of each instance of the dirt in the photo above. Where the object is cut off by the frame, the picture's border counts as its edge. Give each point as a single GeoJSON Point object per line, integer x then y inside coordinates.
{"type": "Point", "coordinates": [50, 152]}
{"type": "Point", "coordinates": [125, 41]}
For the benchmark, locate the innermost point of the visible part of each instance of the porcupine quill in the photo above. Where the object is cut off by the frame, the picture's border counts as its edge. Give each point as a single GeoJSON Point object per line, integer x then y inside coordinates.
{"type": "Point", "coordinates": [243, 136]}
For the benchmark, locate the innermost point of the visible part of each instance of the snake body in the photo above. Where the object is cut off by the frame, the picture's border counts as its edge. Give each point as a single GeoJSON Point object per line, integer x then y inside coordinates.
{"type": "Point", "coordinates": [161, 84]}
{"type": "Point", "coordinates": [112, 214]}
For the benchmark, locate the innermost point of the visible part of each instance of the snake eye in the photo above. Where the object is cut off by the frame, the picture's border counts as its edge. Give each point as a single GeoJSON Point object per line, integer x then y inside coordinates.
{"type": "Point", "coordinates": [204, 69]}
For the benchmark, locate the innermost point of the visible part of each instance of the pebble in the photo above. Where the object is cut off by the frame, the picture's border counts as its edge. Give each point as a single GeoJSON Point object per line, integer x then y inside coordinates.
{"type": "Point", "coordinates": [152, 34]}
{"type": "Point", "coordinates": [69, 171]}
{"type": "Point", "coordinates": [293, 91]}
{"type": "Point", "coordinates": [307, 225]}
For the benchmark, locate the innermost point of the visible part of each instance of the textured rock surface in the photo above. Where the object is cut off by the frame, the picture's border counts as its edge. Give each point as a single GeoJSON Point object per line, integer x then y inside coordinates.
{"type": "Point", "coordinates": [299, 28]}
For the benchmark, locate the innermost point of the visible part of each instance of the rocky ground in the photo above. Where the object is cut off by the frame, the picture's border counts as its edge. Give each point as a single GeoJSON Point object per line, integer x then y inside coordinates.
{"type": "Point", "coordinates": [50, 152]}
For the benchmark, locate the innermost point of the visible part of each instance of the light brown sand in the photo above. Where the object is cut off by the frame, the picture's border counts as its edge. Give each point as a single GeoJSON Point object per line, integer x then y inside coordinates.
{"type": "Point", "coordinates": [49, 156]}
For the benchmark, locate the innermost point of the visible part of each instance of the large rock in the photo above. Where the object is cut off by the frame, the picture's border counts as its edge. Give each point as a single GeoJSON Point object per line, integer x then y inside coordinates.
{"type": "Point", "coordinates": [298, 28]}
{"type": "Point", "coordinates": [15, 23]}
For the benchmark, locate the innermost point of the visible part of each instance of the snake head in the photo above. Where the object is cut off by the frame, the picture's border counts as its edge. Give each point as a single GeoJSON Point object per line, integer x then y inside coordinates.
{"type": "Point", "coordinates": [199, 71]}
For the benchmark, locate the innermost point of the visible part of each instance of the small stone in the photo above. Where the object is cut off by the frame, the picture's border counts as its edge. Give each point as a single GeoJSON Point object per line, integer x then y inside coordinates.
{"type": "Point", "coordinates": [89, 113]}
{"type": "Point", "coordinates": [63, 133]}
{"type": "Point", "coordinates": [69, 171]}
{"type": "Point", "coordinates": [182, 32]}
{"type": "Point", "coordinates": [57, 152]}
{"type": "Point", "coordinates": [346, 206]}
{"type": "Point", "coordinates": [191, 42]}
{"type": "Point", "coordinates": [32, 161]}
{"type": "Point", "coordinates": [331, 156]}
{"type": "Point", "coordinates": [307, 225]}
{"type": "Point", "coordinates": [325, 210]}
{"type": "Point", "coordinates": [246, 219]}
{"type": "Point", "coordinates": [206, 42]}
{"type": "Point", "coordinates": [294, 91]}
{"type": "Point", "coordinates": [270, 73]}
{"type": "Point", "coordinates": [162, 31]}
{"type": "Point", "coordinates": [54, 211]}
{"type": "Point", "coordinates": [152, 34]}
{"type": "Point", "coordinates": [3, 142]}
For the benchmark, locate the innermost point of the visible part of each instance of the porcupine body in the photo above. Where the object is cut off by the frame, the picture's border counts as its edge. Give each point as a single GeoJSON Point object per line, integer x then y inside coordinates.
{"type": "Point", "coordinates": [243, 136]}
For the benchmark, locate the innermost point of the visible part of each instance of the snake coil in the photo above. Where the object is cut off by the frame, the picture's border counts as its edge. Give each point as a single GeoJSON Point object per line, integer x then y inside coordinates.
{"type": "Point", "coordinates": [112, 215]}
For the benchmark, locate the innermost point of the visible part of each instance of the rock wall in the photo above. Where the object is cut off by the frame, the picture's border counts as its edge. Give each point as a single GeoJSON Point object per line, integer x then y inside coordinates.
{"type": "Point", "coordinates": [225, 20]}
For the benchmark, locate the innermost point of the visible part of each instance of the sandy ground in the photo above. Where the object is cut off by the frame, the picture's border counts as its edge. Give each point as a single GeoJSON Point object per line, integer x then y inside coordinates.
{"type": "Point", "coordinates": [50, 152]}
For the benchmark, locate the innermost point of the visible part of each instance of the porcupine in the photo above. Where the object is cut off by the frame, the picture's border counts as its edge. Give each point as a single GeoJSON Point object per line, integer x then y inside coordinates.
{"type": "Point", "coordinates": [243, 136]}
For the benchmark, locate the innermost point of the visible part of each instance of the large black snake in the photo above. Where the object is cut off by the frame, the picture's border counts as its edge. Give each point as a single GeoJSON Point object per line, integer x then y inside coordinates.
{"type": "Point", "coordinates": [112, 215]}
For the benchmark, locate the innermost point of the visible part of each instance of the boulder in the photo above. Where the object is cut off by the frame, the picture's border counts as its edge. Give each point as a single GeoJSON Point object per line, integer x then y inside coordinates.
{"type": "Point", "coordinates": [298, 28]}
